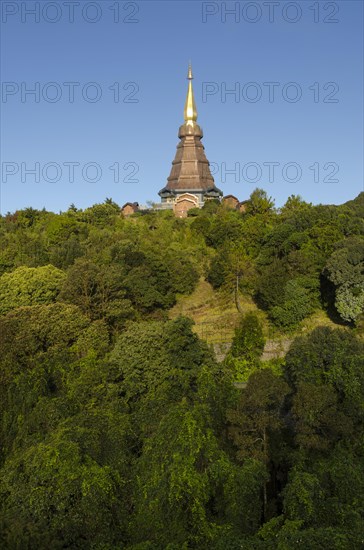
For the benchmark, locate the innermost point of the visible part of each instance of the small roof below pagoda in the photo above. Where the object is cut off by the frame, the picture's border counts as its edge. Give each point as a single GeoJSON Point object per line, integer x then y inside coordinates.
{"type": "Point", "coordinates": [165, 193]}
{"type": "Point", "coordinates": [213, 193]}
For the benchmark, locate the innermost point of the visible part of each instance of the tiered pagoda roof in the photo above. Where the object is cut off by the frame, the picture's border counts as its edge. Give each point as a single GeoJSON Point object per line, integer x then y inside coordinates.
{"type": "Point", "coordinates": [190, 171]}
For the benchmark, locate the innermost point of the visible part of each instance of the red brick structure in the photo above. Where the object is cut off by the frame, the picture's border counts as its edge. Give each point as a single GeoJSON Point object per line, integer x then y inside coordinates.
{"type": "Point", "coordinates": [184, 203]}
{"type": "Point", "coordinates": [231, 201]}
{"type": "Point", "coordinates": [129, 208]}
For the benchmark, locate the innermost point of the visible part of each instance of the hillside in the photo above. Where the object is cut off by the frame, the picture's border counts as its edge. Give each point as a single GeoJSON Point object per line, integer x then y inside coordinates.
{"type": "Point", "coordinates": [182, 383]}
{"type": "Point", "coordinates": [215, 315]}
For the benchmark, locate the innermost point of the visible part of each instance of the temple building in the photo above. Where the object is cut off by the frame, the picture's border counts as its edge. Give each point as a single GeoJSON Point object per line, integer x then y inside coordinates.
{"type": "Point", "coordinates": [190, 183]}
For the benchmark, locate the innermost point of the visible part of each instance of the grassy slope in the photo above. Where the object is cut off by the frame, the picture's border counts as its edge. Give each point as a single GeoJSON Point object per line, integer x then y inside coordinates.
{"type": "Point", "coordinates": [215, 315]}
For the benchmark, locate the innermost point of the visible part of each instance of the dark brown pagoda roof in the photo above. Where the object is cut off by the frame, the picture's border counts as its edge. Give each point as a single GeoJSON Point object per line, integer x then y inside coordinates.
{"type": "Point", "coordinates": [190, 168]}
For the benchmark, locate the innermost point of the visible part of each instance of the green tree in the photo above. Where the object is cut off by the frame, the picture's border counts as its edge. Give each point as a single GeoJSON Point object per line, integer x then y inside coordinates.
{"type": "Point", "coordinates": [319, 419]}
{"type": "Point", "coordinates": [27, 286]}
{"type": "Point", "coordinates": [55, 494]}
{"type": "Point", "coordinates": [184, 479]}
{"type": "Point", "coordinates": [327, 355]}
{"type": "Point", "coordinates": [255, 425]}
{"type": "Point", "coordinates": [226, 227]}
{"type": "Point", "coordinates": [99, 291]}
{"type": "Point", "coordinates": [345, 269]}
{"type": "Point", "coordinates": [218, 269]}
{"type": "Point", "coordinates": [296, 305]}
{"type": "Point", "coordinates": [154, 356]}
{"type": "Point", "coordinates": [40, 345]}
{"type": "Point", "coordinates": [259, 203]}
{"type": "Point", "coordinates": [327, 496]}
{"type": "Point", "coordinates": [101, 215]}
{"type": "Point", "coordinates": [293, 204]}
{"type": "Point", "coordinates": [248, 339]}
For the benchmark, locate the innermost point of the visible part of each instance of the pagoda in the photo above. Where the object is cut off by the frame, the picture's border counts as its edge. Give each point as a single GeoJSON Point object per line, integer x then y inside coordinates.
{"type": "Point", "coordinates": [190, 183]}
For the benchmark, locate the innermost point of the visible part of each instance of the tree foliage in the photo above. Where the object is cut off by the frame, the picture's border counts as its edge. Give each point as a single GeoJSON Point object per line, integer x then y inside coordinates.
{"type": "Point", "coordinates": [118, 426]}
{"type": "Point", "coordinates": [345, 269]}
{"type": "Point", "coordinates": [27, 286]}
{"type": "Point", "coordinates": [248, 339]}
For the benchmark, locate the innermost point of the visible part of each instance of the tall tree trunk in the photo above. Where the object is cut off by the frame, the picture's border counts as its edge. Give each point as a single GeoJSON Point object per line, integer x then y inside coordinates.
{"type": "Point", "coordinates": [237, 301]}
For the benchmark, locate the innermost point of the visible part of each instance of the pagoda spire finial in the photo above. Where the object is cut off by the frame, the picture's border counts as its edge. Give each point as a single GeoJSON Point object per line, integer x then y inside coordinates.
{"type": "Point", "coordinates": [190, 112]}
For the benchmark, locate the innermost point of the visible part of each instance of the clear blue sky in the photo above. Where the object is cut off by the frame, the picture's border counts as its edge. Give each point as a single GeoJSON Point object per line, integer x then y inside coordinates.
{"type": "Point", "coordinates": [149, 48]}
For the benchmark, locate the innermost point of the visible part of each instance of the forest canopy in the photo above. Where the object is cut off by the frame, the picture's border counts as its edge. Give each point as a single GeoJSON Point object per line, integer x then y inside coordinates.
{"type": "Point", "coordinates": [121, 429]}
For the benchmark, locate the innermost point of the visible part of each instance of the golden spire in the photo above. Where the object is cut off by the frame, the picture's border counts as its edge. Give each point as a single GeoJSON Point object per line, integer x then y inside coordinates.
{"type": "Point", "coordinates": [190, 112]}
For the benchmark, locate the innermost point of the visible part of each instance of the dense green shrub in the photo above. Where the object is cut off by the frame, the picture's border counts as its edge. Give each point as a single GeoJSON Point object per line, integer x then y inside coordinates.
{"type": "Point", "coordinates": [295, 306]}
{"type": "Point", "coordinates": [248, 341]}
{"type": "Point", "coordinates": [27, 286]}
